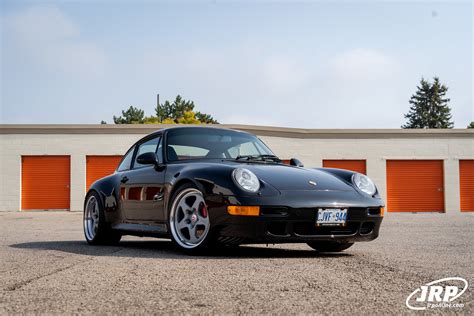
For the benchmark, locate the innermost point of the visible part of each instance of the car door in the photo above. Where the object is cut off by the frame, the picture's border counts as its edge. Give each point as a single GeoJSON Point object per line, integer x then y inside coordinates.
{"type": "Point", "coordinates": [144, 185]}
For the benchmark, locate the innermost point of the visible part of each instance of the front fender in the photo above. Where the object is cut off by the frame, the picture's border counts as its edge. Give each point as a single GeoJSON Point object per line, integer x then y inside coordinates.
{"type": "Point", "coordinates": [214, 181]}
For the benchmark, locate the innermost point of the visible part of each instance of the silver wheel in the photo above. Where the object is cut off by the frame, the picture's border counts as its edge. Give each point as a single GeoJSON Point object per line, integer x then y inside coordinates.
{"type": "Point", "coordinates": [189, 220]}
{"type": "Point", "coordinates": [91, 218]}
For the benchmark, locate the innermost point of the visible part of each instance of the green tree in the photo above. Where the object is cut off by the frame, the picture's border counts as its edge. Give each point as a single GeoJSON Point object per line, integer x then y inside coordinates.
{"type": "Point", "coordinates": [206, 118]}
{"type": "Point", "coordinates": [471, 125]}
{"type": "Point", "coordinates": [429, 107]}
{"type": "Point", "coordinates": [181, 111]}
{"type": "Point", "coordinates": [132, 115]}
{"type": "Point", "coordinates": [175, 111]}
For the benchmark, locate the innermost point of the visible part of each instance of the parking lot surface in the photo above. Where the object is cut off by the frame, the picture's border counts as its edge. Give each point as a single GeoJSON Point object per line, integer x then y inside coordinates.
{"type": "Point", "coordinates": [46, 267]}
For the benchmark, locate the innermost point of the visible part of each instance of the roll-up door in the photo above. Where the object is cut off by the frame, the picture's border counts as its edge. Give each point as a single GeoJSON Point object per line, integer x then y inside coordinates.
{"type": "Point", "coordinates": [100, 166]}
{"type": "Point", "coordinates": [45, 182]}
{"type": "Point", "coordinates": [415, 186]}
{"type": "Point", "coordinates": [466, 185]}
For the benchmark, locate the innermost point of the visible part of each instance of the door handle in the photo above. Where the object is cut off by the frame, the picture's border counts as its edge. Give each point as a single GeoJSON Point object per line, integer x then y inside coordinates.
{"type": "Point", "coordinates": [158, 197]}
{"type": "Point", "coordinates": [124, 179]}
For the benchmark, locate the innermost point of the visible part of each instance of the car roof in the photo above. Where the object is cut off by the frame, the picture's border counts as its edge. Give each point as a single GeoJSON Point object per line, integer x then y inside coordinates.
{"type": "Point", "coordinates": [208, 127]}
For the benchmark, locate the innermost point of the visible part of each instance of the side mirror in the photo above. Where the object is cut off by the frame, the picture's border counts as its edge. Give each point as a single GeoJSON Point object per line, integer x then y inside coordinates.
{"type": "Point", "coordinates": [296, 162]}
{"type": "Point", "coordinates": [149, 158]}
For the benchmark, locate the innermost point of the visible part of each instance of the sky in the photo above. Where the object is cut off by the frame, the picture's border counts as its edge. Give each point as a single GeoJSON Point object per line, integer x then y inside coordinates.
{"type": "Point", "coordinates": [319, 64]}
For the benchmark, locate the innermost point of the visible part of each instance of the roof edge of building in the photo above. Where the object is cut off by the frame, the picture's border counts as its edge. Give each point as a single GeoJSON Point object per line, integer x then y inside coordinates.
{"type": "Point", "coordinates": [287, 132]}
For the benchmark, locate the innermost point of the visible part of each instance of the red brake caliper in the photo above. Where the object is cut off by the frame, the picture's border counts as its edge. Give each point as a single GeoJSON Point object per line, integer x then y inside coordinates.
{"type": "Point", "coordinates": [203, 210]}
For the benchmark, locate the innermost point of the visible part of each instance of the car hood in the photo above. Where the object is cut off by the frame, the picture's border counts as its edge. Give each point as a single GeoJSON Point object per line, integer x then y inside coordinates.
{"type": "Point", "coordinates": [287, 178]}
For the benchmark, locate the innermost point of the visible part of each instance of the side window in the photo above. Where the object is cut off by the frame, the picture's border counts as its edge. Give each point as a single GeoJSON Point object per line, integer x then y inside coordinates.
{"type": "Point", "coordinates": [127, 160]}
{"type": "Point", "coordinates": [146, 147]}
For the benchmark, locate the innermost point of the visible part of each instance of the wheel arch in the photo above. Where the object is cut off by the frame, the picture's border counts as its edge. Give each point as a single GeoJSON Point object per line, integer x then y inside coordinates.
{"type": "Point", "coordinates": [89, 192]}
{"type": "Point", "coordinates": [179, 183]}
{"type": "Point", "coordinates": [210, 181]}
{"type": "Point", "coordinates": [105, 188]}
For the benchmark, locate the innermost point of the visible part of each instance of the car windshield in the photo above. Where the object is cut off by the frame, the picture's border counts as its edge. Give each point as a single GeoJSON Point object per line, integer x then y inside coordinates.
{"type": "Point", "coordinates": [214, 143]}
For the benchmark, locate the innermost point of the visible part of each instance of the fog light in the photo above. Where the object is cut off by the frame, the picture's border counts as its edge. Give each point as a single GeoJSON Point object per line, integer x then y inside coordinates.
{"type": "Point", "coordinates": [243, 210]}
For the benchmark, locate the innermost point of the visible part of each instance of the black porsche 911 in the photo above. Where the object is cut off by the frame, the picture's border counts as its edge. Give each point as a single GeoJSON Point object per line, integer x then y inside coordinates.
{"type": "Point", "coordinates": [206, 186]}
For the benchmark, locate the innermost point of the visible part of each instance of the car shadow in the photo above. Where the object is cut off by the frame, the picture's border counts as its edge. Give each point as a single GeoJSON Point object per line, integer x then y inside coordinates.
{"type": "Point", "coordinates": [164, 249]}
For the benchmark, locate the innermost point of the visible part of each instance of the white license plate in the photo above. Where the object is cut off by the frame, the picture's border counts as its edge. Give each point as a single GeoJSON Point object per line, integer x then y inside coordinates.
{"type": "Point", "coordinates": [331, 216]}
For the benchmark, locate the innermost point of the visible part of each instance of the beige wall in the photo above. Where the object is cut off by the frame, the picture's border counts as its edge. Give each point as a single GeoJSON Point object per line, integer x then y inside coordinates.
{"type": "Point", "coordinates": [374, 146]}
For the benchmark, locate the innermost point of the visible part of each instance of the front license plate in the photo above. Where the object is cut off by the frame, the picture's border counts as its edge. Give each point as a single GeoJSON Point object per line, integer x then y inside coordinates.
{"type": "Point", "coordinates": [331, 216]}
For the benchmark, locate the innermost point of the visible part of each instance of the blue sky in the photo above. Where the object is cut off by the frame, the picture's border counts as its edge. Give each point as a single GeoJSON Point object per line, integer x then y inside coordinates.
{"type": "Point", "coordinates": [323, 64]}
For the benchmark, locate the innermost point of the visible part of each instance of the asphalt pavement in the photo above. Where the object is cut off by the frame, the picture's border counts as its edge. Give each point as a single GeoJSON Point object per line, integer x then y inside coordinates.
{"type": "Point", "coordinates": [46, 267]}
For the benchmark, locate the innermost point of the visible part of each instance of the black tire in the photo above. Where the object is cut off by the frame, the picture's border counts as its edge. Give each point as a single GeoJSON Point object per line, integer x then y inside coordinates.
{"type": "Point", "coordinates": [207, 242]}
{"type": "Point", "coordinates": [103, 235]}
{"type": "Point", "coordinates": [330, 246]}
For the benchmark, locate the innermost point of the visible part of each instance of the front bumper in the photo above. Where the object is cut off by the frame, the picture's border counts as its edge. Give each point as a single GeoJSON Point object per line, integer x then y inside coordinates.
{"type": "Point", "coordinates": [283, 224]}
{"type": "Point", "coordinates": [299, 225]}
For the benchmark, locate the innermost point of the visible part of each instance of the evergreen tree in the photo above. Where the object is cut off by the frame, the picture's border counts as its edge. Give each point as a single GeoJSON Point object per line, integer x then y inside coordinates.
{"type": "Point", "coordinates": [173, 110]}
{"type": "Point", "coordinates": [132, 115]}
{"type": "Point", "coordinates": [206, 118]}
{"type": "Point", "coordinates": [471, 125]}
{"type": "Point", "coordinates": [429, 107]}
{"type": "Point", "coordinates": [177, 110]}
{"type": "Point", "coordinates": [181, 111]}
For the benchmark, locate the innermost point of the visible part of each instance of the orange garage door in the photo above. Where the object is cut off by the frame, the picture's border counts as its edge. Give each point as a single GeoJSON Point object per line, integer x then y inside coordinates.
{"type": "Point", "coordinates": [466, 179]}
{"type": "Point", "coordinates": [45, 182]}
{"type": "Point", "coordinates": [353, 165]}
{"type": "Point", "coordinates": [415, 186]}
{"type": "Point", "coordinates": [100, 166]}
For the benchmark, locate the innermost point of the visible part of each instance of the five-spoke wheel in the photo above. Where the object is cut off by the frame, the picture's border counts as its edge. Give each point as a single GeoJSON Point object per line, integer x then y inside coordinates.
{"type": "Point", "coordinates": [91, 218]}
{"type": "Point", "coordinates": [189, 219]}
{"type": "Point", "coordinates": [96, 230]}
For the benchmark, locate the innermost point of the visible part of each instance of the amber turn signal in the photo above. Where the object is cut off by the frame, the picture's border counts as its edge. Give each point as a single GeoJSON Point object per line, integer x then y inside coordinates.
{"type": "Point", "coordinates": [382, 211]}
{"type": "Point", "coordinates": [243, 210]}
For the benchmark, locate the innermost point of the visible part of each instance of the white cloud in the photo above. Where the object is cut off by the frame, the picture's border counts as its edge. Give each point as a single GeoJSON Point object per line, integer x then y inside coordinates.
{"type": "Point", "coordinates": [40, 24]}
{"type": "Point", "coordinates": [51, 40]}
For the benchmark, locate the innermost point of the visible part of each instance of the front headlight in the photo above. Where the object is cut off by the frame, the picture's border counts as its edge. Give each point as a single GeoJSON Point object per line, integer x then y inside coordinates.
{"type": "Point", "coordinates": [246, 179]}
{"type": "Point", "coordinates": [364, 183]}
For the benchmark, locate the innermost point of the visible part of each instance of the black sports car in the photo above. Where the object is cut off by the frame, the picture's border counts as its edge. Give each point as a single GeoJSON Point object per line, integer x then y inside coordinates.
{"type": "Point", "coordinates": [207, 186]}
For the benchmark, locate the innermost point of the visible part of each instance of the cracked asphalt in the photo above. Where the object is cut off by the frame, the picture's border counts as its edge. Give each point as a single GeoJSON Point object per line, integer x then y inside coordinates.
{"type": "Point", "coordinates": [46, 267]}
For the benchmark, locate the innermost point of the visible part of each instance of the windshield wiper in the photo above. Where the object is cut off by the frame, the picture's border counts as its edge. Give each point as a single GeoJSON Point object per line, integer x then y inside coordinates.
{"type": "Point", "coordinates": [258, 158]}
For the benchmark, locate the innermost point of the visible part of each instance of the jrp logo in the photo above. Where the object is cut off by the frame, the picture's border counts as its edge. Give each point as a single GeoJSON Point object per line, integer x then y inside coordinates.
{"type": "Point", "coordinates": [437, 294]}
